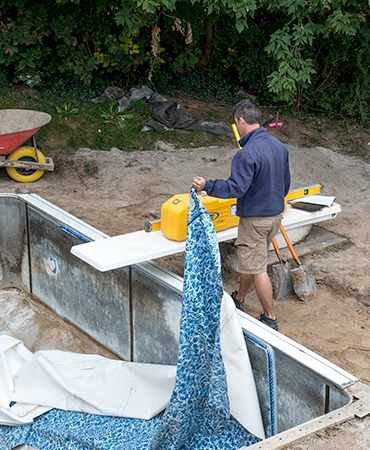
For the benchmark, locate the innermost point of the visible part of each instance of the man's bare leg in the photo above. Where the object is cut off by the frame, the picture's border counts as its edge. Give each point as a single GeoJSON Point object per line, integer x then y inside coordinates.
{"type": "Point", "coordinates": [263, 287]}
{"type": "Point", "coordinates": [245, 282]}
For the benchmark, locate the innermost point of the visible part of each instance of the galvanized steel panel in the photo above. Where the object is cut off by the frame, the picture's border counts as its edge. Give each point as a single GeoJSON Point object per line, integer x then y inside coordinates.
{"type": "Point", "coordinates": [156, 314]}
{"type": "Point", "coordinates": [14, 266]}
{"type": "Point", "coordinates": [96, 303]}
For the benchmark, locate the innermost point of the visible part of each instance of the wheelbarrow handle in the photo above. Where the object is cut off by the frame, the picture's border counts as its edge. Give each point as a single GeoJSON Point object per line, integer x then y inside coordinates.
{"type": "Point", "coordinates": [290, 245]}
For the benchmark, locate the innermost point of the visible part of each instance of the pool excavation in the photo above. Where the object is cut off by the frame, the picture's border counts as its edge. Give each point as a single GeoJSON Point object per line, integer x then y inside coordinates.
{"type": "Point", "coordinates": [82, 301]}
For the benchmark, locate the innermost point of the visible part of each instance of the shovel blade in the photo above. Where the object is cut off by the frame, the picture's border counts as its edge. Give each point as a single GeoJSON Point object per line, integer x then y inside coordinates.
{"type": "Point", "coordinates": [283, 284]}
{"type": "Point", "coordinates": [304, 282]}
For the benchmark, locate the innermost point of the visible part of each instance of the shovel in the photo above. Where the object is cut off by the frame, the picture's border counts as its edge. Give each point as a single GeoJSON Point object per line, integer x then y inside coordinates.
{"type": "Point", "coordinates": [303, 278]}
{"type": "Point", "coordinates": [283, 285]}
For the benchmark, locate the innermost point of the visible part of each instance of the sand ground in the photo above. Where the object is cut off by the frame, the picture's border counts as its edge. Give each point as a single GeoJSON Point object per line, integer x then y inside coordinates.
{"type": "Point", "coordinates": [117, 192]}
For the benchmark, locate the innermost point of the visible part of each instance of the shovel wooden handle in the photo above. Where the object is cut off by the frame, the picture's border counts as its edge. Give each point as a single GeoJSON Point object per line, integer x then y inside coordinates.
{"type": "Point", "coordinates": [290, 245]}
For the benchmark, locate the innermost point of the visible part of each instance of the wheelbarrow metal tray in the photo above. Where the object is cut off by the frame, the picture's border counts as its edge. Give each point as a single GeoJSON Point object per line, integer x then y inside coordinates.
{"type": "Point", "coordinates": [18, 125]}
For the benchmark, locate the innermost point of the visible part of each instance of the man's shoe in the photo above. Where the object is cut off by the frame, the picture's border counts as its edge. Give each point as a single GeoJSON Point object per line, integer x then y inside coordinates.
{"type": "Point", "coordinates": [238, 304]}
{"type": "Point", "coordinates": [272, 323]}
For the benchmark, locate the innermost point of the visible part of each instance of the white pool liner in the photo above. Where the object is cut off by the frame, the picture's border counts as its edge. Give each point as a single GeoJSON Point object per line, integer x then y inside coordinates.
{"type": "Point", "coordinates": [97, 385]}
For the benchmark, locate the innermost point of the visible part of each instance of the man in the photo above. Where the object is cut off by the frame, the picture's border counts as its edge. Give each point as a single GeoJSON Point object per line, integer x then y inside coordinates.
{"type": "Point", "coordinates": [259, 179]}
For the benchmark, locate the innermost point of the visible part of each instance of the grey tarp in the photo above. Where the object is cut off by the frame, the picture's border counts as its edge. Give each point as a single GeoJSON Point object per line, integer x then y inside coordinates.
{"type": "Point", "coordinates": [166, 114]}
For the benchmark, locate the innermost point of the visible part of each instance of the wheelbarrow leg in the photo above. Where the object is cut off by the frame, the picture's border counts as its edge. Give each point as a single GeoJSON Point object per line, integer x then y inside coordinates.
{"type": "Point", "coordinates": [33, 140]}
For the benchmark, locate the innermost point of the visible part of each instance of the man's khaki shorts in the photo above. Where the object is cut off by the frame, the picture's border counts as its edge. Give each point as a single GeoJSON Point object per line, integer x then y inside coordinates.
{"type": "Point", "coordinates": [253, 242]}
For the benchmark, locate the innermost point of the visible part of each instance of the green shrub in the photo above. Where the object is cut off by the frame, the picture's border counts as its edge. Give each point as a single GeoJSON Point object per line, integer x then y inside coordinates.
{"type": "Point", "coordinates": [298, 54]}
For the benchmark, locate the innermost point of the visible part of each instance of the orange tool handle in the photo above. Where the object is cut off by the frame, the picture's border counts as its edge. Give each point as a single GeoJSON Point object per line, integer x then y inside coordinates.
{"type": "Point", "coordinates": [277, 249]}
{"type": "Point", "coordinates": [290, 245]}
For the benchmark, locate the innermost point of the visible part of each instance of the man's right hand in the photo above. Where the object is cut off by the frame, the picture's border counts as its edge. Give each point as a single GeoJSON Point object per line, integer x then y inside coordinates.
{"type": "Point", "coordinates": [199, 183]}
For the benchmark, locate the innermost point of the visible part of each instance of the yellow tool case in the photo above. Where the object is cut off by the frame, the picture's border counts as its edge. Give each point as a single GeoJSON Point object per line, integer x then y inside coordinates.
{"type": "Point", "coordinates": [174, 214]}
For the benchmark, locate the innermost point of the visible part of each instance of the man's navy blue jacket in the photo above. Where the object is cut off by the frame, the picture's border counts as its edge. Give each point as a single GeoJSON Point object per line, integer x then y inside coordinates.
{"type": "Point", "coordinates": [259, 178]}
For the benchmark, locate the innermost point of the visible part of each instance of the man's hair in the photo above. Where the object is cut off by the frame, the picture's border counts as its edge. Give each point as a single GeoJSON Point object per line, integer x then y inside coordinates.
{"type": "Point", "coordinates": [249, 110]}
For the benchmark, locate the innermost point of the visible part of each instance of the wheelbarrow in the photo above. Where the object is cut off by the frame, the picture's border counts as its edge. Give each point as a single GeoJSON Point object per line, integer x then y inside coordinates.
{"type": "Point", "coordinates": [24, 164]}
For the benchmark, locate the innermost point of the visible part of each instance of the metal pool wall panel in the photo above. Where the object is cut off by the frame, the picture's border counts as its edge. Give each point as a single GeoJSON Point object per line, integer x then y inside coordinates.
{"type": "Point", "coordinates": [292, 394]}
{"type": "Point", "coordinates": [97, 303]}
{"type": "Point", "coordinates": [14, 264]}
{"type": "Point", "coordinates": [301, 395]}
{"type": "Point", "coordinates": [156, 315]}
{"type": "Point", "coordinates": [303, 387]}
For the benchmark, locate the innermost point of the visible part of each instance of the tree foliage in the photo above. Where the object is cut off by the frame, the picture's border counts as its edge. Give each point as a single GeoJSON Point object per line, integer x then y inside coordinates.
{"type": "Point", "coordinates": [309, 54]}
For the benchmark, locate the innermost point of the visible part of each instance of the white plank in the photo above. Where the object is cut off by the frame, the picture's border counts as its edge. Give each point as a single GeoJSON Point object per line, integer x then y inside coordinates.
{"type": "Point", "coordinates": [127, 249]}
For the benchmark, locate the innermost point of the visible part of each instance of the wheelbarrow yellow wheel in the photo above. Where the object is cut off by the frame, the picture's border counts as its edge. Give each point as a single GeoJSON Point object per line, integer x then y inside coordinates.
{"type": "Point", "coordinates": [19, 173]}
